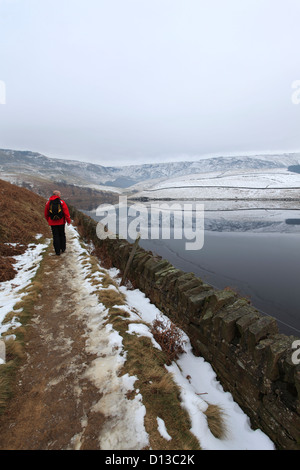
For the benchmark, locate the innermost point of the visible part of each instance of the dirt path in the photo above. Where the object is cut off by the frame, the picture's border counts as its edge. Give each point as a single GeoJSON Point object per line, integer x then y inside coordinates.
{"type": "Point", "coordinates": [56, 394]}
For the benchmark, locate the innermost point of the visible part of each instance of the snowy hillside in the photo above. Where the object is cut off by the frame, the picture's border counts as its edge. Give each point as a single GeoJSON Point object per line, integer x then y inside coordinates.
{"type": "Point", "coordinates": [247, 184]}
{"type": "Point", "coordinates": [17, 162]}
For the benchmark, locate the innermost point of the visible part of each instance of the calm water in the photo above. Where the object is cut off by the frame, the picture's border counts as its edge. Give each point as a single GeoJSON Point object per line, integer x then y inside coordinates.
{"type": "Point", "coordinates": [254, 251]}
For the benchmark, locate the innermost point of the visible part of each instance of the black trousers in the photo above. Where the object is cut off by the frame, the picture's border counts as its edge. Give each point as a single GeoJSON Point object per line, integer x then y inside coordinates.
{"type": "Point", "coordinates": [59, 238]}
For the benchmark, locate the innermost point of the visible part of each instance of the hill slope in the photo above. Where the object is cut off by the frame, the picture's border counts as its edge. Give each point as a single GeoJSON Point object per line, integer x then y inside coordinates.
{"type": "Point", "coordinates": [21, 219]}
{"type": "Point", "coordinates": [262, 184]}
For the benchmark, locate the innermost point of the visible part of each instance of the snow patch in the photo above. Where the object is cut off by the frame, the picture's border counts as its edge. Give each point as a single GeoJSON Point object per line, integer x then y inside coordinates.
{"type": "Point", "coordinates": [196, 380]}
{"type": "Point", "coordinates": [124, 427]}
{"type": "Point", "coordinates": [26, 266]}
{"type": "Point", "coordinates": [162, 429]}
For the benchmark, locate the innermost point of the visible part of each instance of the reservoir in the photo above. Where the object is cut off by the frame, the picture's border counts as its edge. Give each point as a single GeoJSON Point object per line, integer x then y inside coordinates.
{"type": "Point", "coordinates": [252, 248]}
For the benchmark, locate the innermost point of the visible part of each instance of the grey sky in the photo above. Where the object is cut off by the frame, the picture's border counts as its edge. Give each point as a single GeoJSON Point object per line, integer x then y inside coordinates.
{"type": "Point", "coordinates": [119, 81]}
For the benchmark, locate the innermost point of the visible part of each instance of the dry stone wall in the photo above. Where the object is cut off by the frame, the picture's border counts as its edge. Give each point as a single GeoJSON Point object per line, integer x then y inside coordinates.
{"type": "Point", "coordinates": [252, 360]}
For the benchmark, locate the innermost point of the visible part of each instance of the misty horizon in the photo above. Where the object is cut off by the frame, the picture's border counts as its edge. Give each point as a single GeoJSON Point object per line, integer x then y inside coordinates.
{"type": "Point", "coordinates": [126, 82]}
{"type": "Point", "coordinates": [188, 159]}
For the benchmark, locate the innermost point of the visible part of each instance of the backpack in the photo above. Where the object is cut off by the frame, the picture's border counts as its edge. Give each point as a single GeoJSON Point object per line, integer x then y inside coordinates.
{"type": "Point", "coordinates": [55, 209]}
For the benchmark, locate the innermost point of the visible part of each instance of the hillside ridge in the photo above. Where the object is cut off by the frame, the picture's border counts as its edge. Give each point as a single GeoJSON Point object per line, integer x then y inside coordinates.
{"type": "Point", "coordinates": [76, 172]}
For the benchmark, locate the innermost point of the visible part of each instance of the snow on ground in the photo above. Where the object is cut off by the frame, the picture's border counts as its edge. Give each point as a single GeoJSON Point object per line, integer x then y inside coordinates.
{"type": "Point", "coordinates": [26, 266]}
{"type": "Point", "coordinates": [125, 427]}
{"type": "Point", "coordinates": [162, 429]}
{"type": "Point", "coordinates": [102, 187]}
{"type": "Point", "coordinates": [276, 178]}
{"type": "Point", "coordinates": [247, 184]}
{"type": "Point", "coordinates": [201, 380]}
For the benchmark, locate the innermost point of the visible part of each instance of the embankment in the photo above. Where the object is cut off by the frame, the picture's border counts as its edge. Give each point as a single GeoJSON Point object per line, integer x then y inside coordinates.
{"type": "Point", "coordinates": [252, 360]}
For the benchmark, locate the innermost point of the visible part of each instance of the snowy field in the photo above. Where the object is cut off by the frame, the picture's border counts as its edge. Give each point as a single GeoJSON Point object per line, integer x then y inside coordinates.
{"type": "Point", "coordinates": [247, 184]}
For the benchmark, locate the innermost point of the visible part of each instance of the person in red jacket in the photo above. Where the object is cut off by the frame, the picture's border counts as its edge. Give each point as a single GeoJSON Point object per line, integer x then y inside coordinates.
{"type": "Point", "coordinates": [57, 214]}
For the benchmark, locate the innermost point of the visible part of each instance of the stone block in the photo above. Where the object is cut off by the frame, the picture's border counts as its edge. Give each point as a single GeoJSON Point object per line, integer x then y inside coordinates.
{"type": "Point", "coordinates": [162, 273]}
{"type": "Point", "coordinates": [163, 278]}
{"type": "Point", "coordinates": [216, 319]}
{"type": "Point", "coordinates": [261, 329]}
{"type": "Point", "coordinates": [286, 424]}
{"type": "Point", "coordinates": [228, 325]}
{"type": "Point", "coordinates": [277, 349]}
{"type": "Point", "coordinates": [192, 292]}
{"type": "Point", "coordinates": [250, 316]}
{"type": "Point", "coordinates": [180, 284]}
{"type": "Point", "coordinates": [186, 285]}
{"type": "Point", "coordinates": [139, 260]}
{"type": "Point", "coordinates": [153, 265]}
{"type": "Point", "coordinates": [220, 298]}
{"type": "Point", "coordinates": [194, 304]}
{"type": "Point", "coordinates": [261, 350]}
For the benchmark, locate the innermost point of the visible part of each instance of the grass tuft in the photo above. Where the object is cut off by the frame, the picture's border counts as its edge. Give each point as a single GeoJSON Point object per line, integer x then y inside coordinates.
{"type": "Point", "coordinates": [169, 337]}
{"type": "Point", "coordinates": [215, 421]}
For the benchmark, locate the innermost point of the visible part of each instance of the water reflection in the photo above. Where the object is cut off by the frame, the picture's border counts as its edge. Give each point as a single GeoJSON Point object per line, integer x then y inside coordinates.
{"type": "Point", "coordinates": [253, 248]}
{"type": "Point", "coordinates": [292, 221]}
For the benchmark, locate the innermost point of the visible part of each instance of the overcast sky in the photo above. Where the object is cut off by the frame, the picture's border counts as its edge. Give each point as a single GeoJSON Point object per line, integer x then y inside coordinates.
{"type": "Point", "coordinates": [129, 81]}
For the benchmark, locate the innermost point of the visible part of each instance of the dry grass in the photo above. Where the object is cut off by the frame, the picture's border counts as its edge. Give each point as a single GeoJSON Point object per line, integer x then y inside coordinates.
{"type": "Point", "coordinates": [169, 337]}
{"type": "Point", "coordinates": [215, 421]}
{"type": "Point", "coordinates": [21, 214]}
{"type": "Point", "coordinates": [7, 270]}
{"type": "Point", "coordinates": [14, 354]}
{"type": "Point", "coordinates": [111, 297]}
{"type": "Point", "coordinates": [14, 350]}
{"type": "Point", "coordinates": [4, 389]}
{"type": "Point", "coordinates": [15, 347]}
{"type": "Point", "coordinates": [21, 218]}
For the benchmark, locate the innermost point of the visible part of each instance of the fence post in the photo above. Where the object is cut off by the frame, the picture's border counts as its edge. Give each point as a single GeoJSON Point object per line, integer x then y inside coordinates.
{"type": "Point", "coordinates": [134, 248]}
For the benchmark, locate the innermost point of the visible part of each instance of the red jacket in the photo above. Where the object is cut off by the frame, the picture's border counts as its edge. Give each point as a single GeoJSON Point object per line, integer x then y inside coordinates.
{"type": "Point", "coordinates": [65, 209]}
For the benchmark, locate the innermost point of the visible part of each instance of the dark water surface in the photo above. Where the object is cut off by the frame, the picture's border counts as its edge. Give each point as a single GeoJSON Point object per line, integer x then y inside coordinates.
{"type": "Point", "coordinates": [254, 251]}
{"type": "Point", "coordinates": [263, 267]}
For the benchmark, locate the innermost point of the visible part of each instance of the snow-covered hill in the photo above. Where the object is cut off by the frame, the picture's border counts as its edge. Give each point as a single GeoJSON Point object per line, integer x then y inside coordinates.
{"type": "Point", "coordinates": [71, 171]}
{"type": "Point", "coordinates": [258, 184]}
